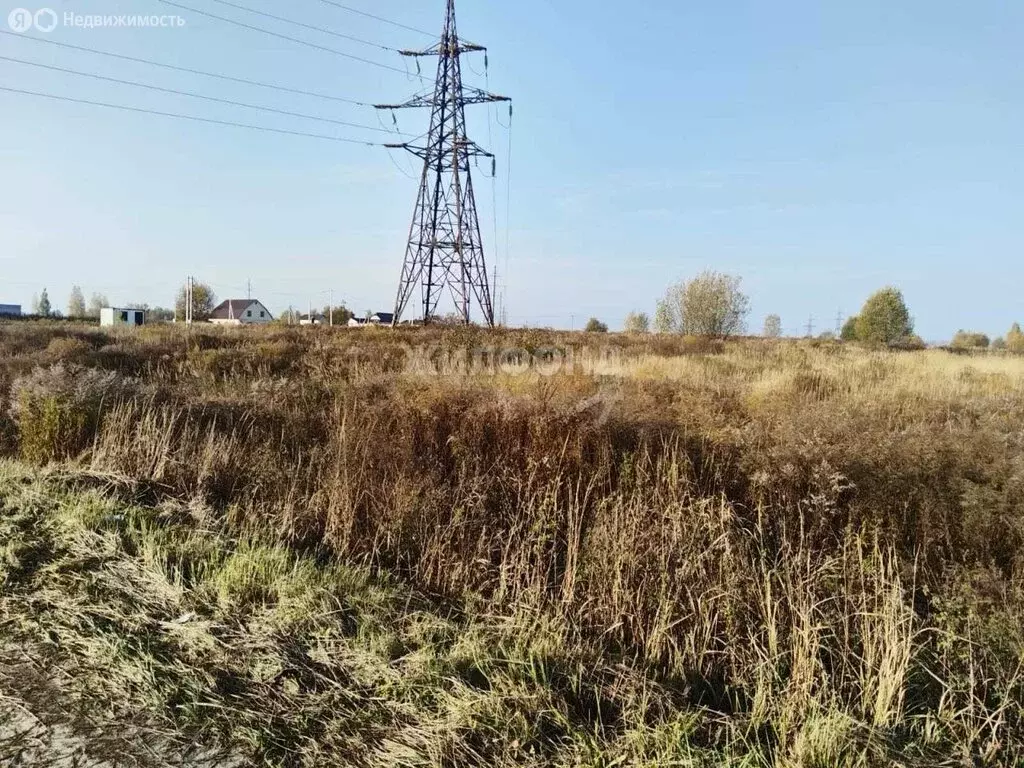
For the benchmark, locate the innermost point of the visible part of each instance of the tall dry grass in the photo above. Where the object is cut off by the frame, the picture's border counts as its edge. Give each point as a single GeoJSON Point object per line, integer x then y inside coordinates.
{"type": "Point", "coordinates": [819, 544]}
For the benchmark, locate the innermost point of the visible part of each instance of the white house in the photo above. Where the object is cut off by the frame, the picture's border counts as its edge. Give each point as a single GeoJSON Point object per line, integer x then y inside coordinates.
{"type": "Point", "coordinates": [241, 312]}
{"type": "Point", "coordinates": [117, 316]}
{"type": "Point", "coordinates": [378, 318]}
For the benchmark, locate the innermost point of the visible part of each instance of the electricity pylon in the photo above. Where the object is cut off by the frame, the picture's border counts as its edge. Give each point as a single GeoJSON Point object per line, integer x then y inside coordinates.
{"type": "Point", "coordinates": [445, 250]}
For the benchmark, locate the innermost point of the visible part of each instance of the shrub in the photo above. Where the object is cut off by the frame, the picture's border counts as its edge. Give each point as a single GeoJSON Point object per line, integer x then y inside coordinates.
{"type": "Point", "coordinates": [57, 409]}
{"type": "Point", "coordinates": [911, 343]}
{"type": "Point", "coordinates": [637, 322]}
{"type": "Point", "coordinates": [970, 340]}
{"type": "Point", "coordinates": [595, 326]}
{"type": "Point", "coordinates": [711, 304]}
{"type": "Point", "coordinates": [65, 348]}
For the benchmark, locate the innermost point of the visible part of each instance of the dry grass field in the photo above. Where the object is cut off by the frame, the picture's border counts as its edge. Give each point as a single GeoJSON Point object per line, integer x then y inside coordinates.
{"type": "Point", "coordinates": [305, 547]}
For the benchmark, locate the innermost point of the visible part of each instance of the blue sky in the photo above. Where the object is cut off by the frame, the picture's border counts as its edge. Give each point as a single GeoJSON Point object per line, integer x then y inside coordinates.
{"type": "Point", "coordinates": [819, 150]}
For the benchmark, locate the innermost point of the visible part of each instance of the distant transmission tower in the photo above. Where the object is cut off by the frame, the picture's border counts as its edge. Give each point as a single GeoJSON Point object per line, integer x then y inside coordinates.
{"type": "Point", "coordinates": [445, 251]}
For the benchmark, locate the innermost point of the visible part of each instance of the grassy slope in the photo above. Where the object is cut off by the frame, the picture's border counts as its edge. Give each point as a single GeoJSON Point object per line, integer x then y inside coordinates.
{"type": "Point", "coordinates": [162, 641]}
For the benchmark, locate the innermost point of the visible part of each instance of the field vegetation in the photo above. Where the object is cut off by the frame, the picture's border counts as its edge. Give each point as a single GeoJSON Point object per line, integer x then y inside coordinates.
{"type": "Point", "coordinates": [323, 547]}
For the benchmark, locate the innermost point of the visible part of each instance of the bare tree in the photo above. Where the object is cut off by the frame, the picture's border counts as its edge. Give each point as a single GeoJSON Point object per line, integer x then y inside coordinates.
{"type": "Point", "coordinates": [1015, 339]}
{"type": "Point", "coordinates": [97, 302]}
{"type": "Point", "coordinates": [76, 302]}
{"type": "Point", "coordinates": [772, 327]}
{"type": "Point", "coordinates": [637, 322]}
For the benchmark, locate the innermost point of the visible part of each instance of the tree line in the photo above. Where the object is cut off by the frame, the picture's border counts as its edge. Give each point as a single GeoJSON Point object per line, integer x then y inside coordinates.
{"type": "Point", "coordinates": [1013, 341]}
{"type": "Point", "coordinates": [78, 308]}
{"type": "Point", "coordinates": [714, 305]}
{"type": "Point", "coordinates": [711, 304]}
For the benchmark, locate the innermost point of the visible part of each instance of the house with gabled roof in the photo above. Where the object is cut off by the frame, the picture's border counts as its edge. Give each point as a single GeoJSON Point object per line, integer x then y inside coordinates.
{"type": "Point", "coordinates": [377, 318]}
{"type": "Point", "coordinates": [241, 312]}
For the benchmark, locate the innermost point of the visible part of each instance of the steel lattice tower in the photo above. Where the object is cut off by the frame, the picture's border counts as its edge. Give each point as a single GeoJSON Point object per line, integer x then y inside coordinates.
{"type": "Point", "coordinates": [445, 250]}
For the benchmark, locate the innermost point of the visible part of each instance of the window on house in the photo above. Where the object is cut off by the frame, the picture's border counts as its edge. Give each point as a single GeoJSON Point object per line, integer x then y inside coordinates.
{"type": "Point", "coordinates": [248, 313]}
{"type": "Point", "coordinates": [263, 314]}
{"type": "Point", "coordinates": [124, 317]}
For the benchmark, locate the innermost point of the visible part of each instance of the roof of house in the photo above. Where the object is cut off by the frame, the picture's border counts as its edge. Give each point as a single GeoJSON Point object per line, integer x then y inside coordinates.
{"type": "Point", "coordinates": [231, 309]}
{"type": "Point", "coordinates": [384, 317]}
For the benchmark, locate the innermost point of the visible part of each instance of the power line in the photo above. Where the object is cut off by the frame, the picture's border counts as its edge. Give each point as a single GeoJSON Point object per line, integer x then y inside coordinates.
{"type": "Point", "coordinates": [194, 95]}
{"type": "Point", "coordinates": [408, 174]}
{"type": "Point", "coordinates": [377, 18]}
{"type": "Point", "coordinates": [312, 27]}
{"type": "Point", "coordinates": [189, 117]}
{"type": "Point", "coordinates": [400, 169]}
{"type": "Point", "coordinates": [494, 189]}
{"type": "Point", "coordinates": [508, 195]}
{"type": "Point", "coordinates": [176, 68]}
{"type": "Point", "coordinates": [289, 38]}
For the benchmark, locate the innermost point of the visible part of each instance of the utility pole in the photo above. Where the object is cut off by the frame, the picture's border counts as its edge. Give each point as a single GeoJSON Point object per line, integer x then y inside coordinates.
{"type": "Point", "coordinates": [839, 323]}
{"type": "Point", "coordinates": [445, 249]}
{"type": "Point", "coordinates": [189, 302]}
{"type": "Point", "coordinates": [331, 310]}
{"type": "Point", "coordinates": [248, 289]}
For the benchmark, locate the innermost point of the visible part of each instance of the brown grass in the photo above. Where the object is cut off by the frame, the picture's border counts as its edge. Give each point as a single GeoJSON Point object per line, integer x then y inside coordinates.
{"type": "Point", "coordinates": [815, 549]}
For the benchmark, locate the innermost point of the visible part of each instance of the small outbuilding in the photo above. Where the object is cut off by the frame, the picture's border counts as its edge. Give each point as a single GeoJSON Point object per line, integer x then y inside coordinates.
{"type": "Point", "coordinates": [111, 317]}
